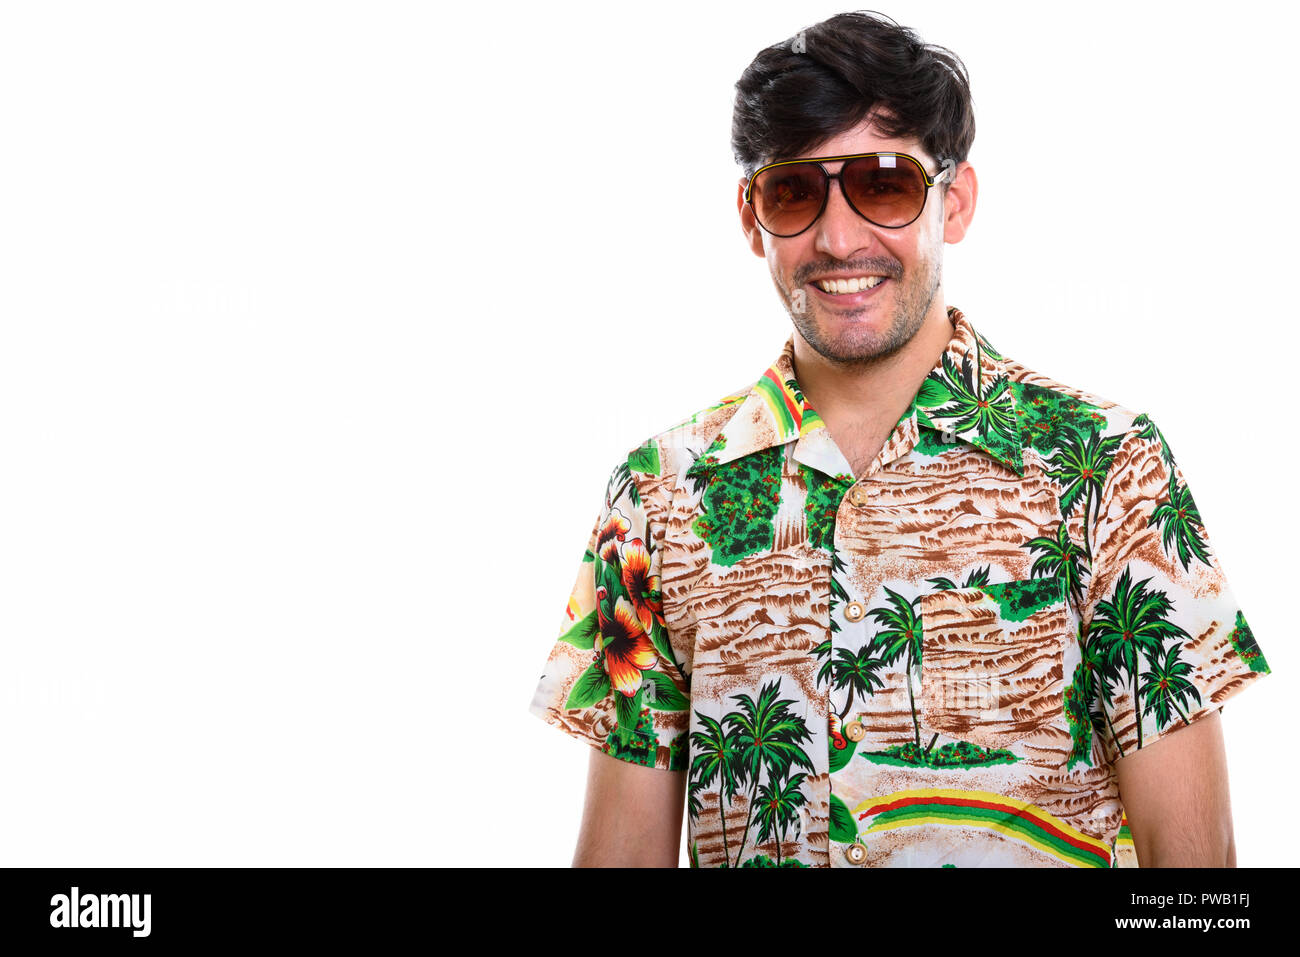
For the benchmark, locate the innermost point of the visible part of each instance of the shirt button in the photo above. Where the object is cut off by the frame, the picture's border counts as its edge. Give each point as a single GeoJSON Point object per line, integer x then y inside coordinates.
{"type": "Point", "coordinates": [855, 853]}
{"type": "Point", "coordinates": [854, 731]}
{"type": "Point", "coordinates": [859, 495]}
{"type": "Point", "coordinates": [854, 611]}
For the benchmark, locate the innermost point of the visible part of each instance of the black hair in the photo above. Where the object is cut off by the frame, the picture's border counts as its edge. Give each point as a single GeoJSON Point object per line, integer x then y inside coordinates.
{"type": "Point", "coordinates": [831, 76]}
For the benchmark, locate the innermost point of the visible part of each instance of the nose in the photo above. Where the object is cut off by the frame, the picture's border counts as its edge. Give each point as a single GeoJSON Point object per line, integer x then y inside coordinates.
{"type": "Point", "coordinates": [841, 232]}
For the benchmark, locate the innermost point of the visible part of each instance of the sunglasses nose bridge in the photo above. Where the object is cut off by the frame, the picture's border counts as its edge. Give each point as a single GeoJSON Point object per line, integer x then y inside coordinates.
{"type": "Point", "coordinates": [832, 190]}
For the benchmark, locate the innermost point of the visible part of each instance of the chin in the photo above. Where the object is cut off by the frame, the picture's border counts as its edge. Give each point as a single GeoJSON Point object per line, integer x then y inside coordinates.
{"type": "Point", "coordinates": [848, 338]}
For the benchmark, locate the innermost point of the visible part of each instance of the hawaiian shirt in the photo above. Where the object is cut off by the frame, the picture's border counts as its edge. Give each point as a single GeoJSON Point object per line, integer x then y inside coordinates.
{"type": "Point", "coordinates": [936, 663]}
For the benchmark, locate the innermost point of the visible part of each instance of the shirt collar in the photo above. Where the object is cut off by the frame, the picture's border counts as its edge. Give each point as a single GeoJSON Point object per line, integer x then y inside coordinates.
{"type": "Point", "coordinates": [982, 413]}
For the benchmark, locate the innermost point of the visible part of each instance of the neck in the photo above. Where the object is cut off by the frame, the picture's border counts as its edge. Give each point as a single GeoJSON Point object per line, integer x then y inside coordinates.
{"type": "Point", "coordinates": [871, 395]}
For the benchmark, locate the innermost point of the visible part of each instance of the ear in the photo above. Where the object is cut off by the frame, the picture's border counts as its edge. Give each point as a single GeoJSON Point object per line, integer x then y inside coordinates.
{"type": "Point", "coordinates": [959, 203]}
{"type": "Point", "coordinates": [748, 224]}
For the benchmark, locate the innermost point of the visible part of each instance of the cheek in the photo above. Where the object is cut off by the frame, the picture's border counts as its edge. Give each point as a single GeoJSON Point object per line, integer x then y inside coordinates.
{"type": "Point", "coordinates": [781, 262]}
{"type": "Point", "coordinates": [922, 251]}
{"type": "Point", "coordinates": [784, 258]}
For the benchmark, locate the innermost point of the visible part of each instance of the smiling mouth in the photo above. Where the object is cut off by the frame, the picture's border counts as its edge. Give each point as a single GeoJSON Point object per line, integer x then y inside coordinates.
{"type": "Point", "coordinates": [841, 287]}
{"type": "Point", "coordinates": [852, 293]}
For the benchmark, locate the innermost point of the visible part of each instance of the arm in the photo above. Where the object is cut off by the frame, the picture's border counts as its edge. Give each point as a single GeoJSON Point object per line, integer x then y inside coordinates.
{"type": "Point", "coordinates": [1175, 793]}
{"type": "Point", "coordinates": [632, 815]}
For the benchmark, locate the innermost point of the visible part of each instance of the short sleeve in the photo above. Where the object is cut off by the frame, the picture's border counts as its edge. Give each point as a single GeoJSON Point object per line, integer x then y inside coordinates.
{"type": "Point", "coordinates": [611, 679]}
{"type": "Point", "coordinates": [1164, 638]}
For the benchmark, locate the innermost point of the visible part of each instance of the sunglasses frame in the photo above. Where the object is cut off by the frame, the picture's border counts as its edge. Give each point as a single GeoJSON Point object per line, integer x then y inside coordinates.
{"type": "Point", "coordinates": [945, 173]}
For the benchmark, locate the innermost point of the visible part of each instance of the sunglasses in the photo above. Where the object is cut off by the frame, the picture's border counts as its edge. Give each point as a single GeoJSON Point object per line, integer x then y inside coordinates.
{"type": "Point", "coordinates": [885, 189]}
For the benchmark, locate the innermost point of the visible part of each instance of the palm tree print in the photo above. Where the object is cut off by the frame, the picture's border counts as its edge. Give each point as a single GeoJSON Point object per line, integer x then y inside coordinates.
{"type": "Point", "coordinates": [778, 804]}
{"type": "Point", "coordinates": [857, 672]}
{"type": "Point", "coordinates": [623, 477]}
{"type": "Point", "coordinates": [693, 805]}
{"type": "Point", "coordinates": [1149, 430]}
{"type": "Point", "coordinates": [1166, 684]}
{"type": "Point", "coordinates": [767, 738]}
{"type": "Point", "coordinates": [901, 636]}
{"type": "Point", "coordinates": [975, 579]}
{"type": "Point", "coordinates": [986, 410]}
{"type": "Point", "coordinates": [1180, 523]}
{"type": "Point", "coordinates": [715, 758]}
{"type": "Point", "coordinates": [1060, 556]}
{"type": "Point", "coordinates": [1079, 464]}
{"type": "Point", "coordinates": [699, 477]}
{"type": "Point", "coordinates": [1133, 625]}
{"type": "Point", "coordinates": [823, 653]}
{"type": "Point", "coordinates": [838, 594]}
{"type": "Point", "coordinates": [1101, 675]}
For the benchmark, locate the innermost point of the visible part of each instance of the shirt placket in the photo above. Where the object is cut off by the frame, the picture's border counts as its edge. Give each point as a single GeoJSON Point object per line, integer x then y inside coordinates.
{"type": "Point", "coordinates": [851, 615]}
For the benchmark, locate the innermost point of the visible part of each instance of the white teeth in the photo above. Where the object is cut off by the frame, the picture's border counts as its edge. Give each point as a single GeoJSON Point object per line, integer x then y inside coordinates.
{"type": "Point", "coordinates": [845, 286]}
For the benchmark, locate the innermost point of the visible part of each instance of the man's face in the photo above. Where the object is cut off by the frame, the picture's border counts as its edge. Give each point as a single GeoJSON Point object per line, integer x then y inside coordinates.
{"type": "Point", "coordinates": [866, 325]}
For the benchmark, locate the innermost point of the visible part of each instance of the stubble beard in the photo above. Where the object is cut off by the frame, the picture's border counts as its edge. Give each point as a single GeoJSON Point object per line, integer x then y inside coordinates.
{"type": "Point", "coordinates": [863, 345]}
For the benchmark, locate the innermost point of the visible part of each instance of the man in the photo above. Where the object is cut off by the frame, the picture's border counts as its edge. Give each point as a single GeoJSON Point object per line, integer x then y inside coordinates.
{"type": "Point", "coordinates": [904, 601]}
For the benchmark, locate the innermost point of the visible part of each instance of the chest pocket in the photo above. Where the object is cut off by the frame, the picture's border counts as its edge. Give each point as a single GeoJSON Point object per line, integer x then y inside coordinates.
{"type": "Point", "coordinates": [992, 660]}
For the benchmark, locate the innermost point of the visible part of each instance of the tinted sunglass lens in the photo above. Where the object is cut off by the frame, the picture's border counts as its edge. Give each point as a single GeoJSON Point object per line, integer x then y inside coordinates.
{"type": "Point", "coordinates": [888, 190]}
{"type": "Point", "coordinates": [787, 198]}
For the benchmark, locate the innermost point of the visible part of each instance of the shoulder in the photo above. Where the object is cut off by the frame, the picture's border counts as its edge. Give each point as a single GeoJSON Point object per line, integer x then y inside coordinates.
{"type": "Point", "coordinates": [658, 461]}
{"type": "Point", "coordinates": [1048, 408]}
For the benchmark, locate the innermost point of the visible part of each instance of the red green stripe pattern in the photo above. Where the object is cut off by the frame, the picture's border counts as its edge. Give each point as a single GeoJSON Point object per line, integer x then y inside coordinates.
{"type": "Point", "coordinates": [1125, 837]}
{"type": "Point", "coordinates": [790, 416]}
{"type": "Point", "coordinates": [1008, 816]}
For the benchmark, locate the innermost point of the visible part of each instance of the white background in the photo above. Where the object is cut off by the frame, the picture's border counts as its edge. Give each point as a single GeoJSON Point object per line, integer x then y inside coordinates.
{"type": "Point", "coordinates": [323, 325]}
